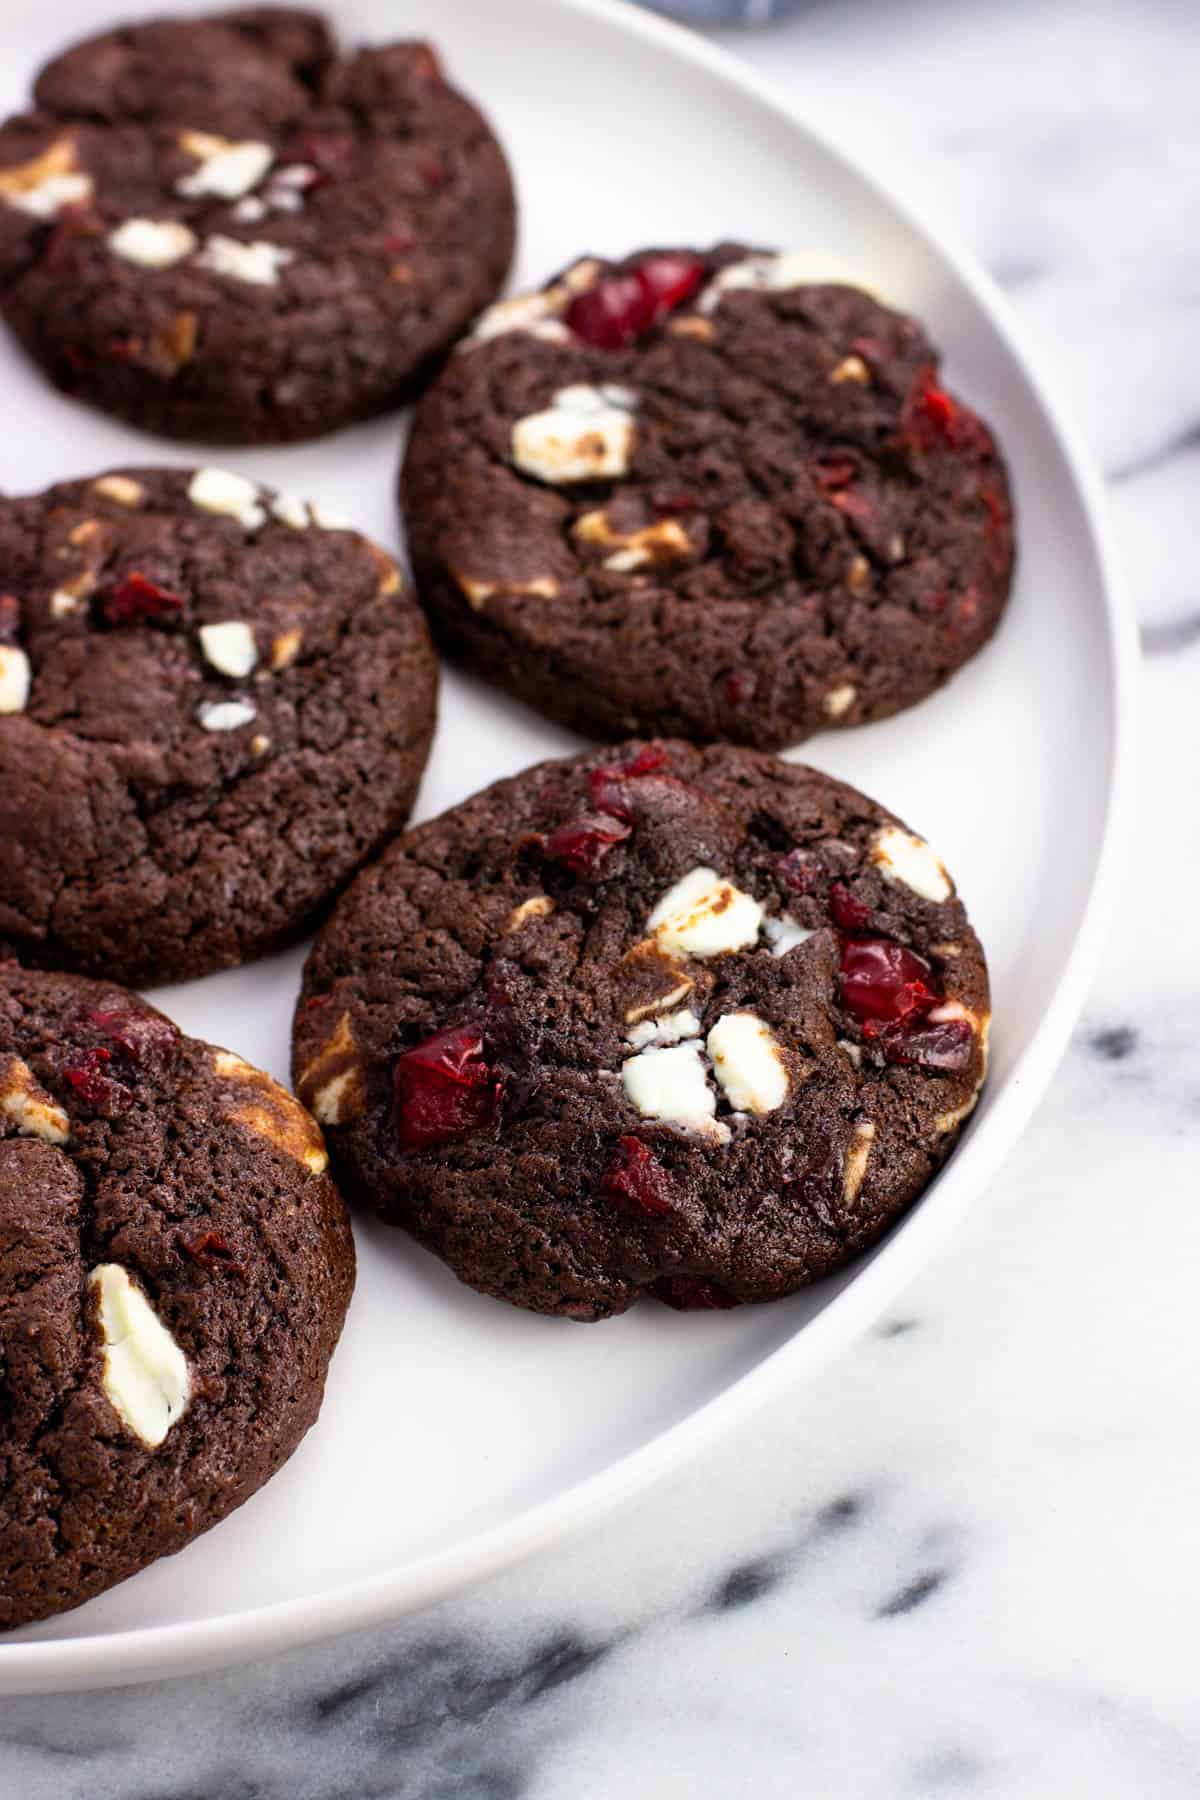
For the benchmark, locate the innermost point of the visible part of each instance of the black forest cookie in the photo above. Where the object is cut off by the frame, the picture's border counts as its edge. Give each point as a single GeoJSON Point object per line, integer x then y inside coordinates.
{"type": "Point", "coordinates": [218, 229]}
{"type": "Point", "coordinates": [721, 495]}
{"type": "Point", "coordinates": [697, 1023]}
{"type": "Point", "coordinates": [175, 1267]}
{"type": "Point", "coordinates": [215, 702]}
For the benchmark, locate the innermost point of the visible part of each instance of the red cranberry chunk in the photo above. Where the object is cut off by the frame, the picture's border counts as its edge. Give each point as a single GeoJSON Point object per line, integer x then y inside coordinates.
{"type": "Point", "coordinates": [584, 844]}
{"type": "Point", "coordinates": [800, 870]}
{"type": "Point", "coordinates": [607, 781]}
{"type": "Point", "coordinates": [444, 1089]}
{"type": "Point", "coordinates": [881, 980]}
{"type": "Point", "coordinates": [619, 309]}
{"type": "Point", "coordinates": [88, 1073]}
{"type": "Point", "coordinates": [668, 281]}
{"type": "Point", "coordinates": [10, 619]}
{"type": "Point", "coordinates": [849, 913]}
{"type": "Point", "coordinates": [140, 1038]}
{"type": "Point", "coordinates": [945, 1046]}
{"type": "Point", "coordinates": [637, 1180]}
{"type": "Point", "coordinates": [833, 470]}
{"type": "Point", "coordinates": [135, 597]}
{"type": "Point", "coordinates": [331, 154]}
{"type": "Point", "coordinates": [688, 1293]}
{"type": "Point", "coordinates": [211, 1250]}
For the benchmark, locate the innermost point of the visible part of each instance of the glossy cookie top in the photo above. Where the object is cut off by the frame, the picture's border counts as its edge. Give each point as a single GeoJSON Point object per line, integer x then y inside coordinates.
{"type": "Point", "coordinates": [720, 494]}
{"type": "Point", "coordinates": [175, 1266]}
{"type": "Point", "coordinates": [215, 701]}
{"type": "Point", "coordinates": [693, 1022]}
{"type": "Point", "coordinates": [219, 228]}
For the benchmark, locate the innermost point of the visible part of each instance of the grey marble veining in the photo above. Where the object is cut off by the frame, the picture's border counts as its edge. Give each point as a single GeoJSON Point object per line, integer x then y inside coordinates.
{"type": "Point", "coordinates": [967, 1562]}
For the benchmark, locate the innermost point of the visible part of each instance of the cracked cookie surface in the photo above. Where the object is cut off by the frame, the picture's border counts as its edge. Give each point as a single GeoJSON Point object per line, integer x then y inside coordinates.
{"type": "Point", "coordinates": [220, 229]}
{"type": "Point", "coordinates": [698, 1023]}
{"type": "Point", "coordinates": [215, 703]}
{"type": "Point", "coordinates": [175, 1267]}
{"type": "Point", "coordinates": [720, 495]}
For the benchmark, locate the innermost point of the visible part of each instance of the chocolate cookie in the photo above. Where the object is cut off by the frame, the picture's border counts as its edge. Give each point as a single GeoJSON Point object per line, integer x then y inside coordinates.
{"type": "Point", "coordinates": [217, 228]}
{"type": "Point", "coordinates": [175, 1267]}
{"type": "Point", "coordinates": [697, 1023]}
{"type": "Point", "coordinates": [215, 702]}
{"type": "Point", "coordinates": [715, 494]}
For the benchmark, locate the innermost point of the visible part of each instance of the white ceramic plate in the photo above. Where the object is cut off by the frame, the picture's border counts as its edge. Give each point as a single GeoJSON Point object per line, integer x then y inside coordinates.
{"type": "Point", "coordinates": [457, 1434]}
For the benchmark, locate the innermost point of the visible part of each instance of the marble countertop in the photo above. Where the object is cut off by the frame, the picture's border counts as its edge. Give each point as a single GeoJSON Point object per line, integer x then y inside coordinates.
{"type": "Point", "coordinates": [966, 1561]}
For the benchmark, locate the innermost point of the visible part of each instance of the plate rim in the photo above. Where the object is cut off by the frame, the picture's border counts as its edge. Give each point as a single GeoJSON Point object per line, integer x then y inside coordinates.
{"type": "Point", "coordinates": [118, 1658]}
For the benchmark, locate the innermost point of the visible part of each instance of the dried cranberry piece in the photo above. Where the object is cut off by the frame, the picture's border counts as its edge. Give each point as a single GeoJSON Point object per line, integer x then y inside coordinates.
{"type": "Point", "coordinates": [882, 981]}
{"type": "Point", "coordinates": [606, 781]}
{"type": "Point", "coordinates": [636, 1179]}
{"type": "Point", "coordinates": [211, 1250]}
{"type": "Point", "coordinates": [332, 154]}
{"type": "Point", "coordinates": [584, 843]}
{"type": "Point", "coordinates": [690, 1293]}
{"type": "Point", "coordinates": [833, 470]}
{"type": "Point", "coordinates": [444, 1089]}
{"type": "Point", "coordinates": [10, 618]}
{"type": "Point", "coordinates": [818, 1185]}
{"type": "Point", "coordinates": [141, 1039]}
{"type": "Point", "coordinates": [669, 502]}
{"type": "Point", "coordinates": [670, 280]}
{"type": "Point", "coordinates": [135, 597]}
{"type": "Point", "coordinates": [800, 870]}
{"type": "Point", "coordinates": [610, 315]}
{"type": "Point", "coordinates": [88, 1073]}
{"type": "Point", "coordinates": [740, 686]}
{"type": "Point", "coordinates": [945, 1045]}
{"type": "Point", "coordinates": [849, 913]}
{"type": "Point", "coordinates": [619, 309]}
{"type": "Point", "coordinates": [932, 417]}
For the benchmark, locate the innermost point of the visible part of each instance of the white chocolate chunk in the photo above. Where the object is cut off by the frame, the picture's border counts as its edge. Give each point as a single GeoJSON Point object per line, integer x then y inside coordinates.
{"type": "Point", "coordinates": [290, 511]}
{"type": "Point", "coordinates": [328, 518]}
{"type": "Point", "coordinates": [228, 171]}
{"type": "Point", "coordinates": [15, 679]}
{"type": "Point", "coordinates": [838, 700]}
{"type": "Point", "coordinates": [226, 715]}
{"type": "Point", "coordinates": [229, 646]}
{"type": "Point", "coordinates": [783, 934]}
{"type": "Point", "coordinates": [669, 1028]}
{"type": "Point", "coordinates": [219, 491]}
{"type": "Point", "coordinates": [948, 1121]}
{"type": "Point", "coordinates": [258, 263]}
{"type": "Point", "coordinates": [286, 648]}
{"type": "Point", "coordinates": [47, 183]}
{"type": "Point", "coordinates": [121, 488]}
{"type": "Point", "coordinates": [853, 1052]}
{"type": "Point", "coordinates": [671, 1085]}
{"type": "Point", "coordinates": [478, 593]}
{"type": "Point", "coordinates": [534, 312]}
{"type": "Point", "coordinates": [63, 603]}
{"type": "Point", "coordinates": [854, 1168]}
{"type": "Point", "coordinates": [748, 1063]}
{"type": "Point", "coordinates": [27, 1105]}
{"type": "Point", "coordinates": [328, 1101]}
{"type": "Point", "coordinates": [538, 906]}
{"type": "Point", "coordinates": [775, 274]}
{"type": "Point", "coordinates": [704, 915]}
{"type": "Point", "coordinates": [152, 243]}
{"type": "Point", "coordinates": [907, 861]}
{"type": "Point", "coordinates": [585, 435]}
{"type": "Point", "coordinates": [146, 1374]}
{"type": "Point", "coordinates": [663, 542]}
{"type": "Point", "coordinates": [250, 211]}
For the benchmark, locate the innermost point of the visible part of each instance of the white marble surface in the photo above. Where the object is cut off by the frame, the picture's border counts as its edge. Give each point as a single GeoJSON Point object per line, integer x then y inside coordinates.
{"type": "Point", "coordinates": [965, 1563]}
